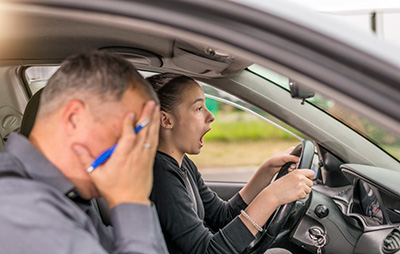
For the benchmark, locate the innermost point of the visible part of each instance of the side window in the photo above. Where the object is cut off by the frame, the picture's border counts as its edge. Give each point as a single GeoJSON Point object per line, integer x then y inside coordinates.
{"type": "Point", "coordinates": [241, 138]}
{"type": "Point", "coordinates": [37, 76]}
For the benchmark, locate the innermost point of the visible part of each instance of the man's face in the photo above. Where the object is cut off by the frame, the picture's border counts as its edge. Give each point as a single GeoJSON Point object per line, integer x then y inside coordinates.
{"type": "Point", "coordinates": [103, 128]}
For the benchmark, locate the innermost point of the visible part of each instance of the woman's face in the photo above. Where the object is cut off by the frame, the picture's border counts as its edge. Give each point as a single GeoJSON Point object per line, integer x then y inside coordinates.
{"type": "Point", "coordinates": [191, 120]}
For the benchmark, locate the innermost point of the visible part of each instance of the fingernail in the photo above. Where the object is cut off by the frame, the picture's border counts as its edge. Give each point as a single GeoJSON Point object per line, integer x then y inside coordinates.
{"type": "Point", "coordinates": [131, 115]}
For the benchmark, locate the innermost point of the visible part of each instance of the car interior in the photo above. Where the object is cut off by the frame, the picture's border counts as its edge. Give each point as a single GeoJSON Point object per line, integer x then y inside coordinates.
{"type": "Point", "coordinates": [355, 203]}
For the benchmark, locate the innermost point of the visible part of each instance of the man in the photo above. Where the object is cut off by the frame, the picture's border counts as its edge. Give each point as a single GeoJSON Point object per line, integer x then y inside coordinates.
{"type": "Point", "coordinates": [91, 103]}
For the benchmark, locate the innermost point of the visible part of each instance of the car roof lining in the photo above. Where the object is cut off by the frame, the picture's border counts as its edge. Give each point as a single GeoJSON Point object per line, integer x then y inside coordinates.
{"type": "Point", "coordinates": [64, 35]}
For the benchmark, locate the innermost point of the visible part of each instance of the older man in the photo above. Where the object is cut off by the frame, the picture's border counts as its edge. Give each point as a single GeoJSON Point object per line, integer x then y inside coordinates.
{"type": "Point", "coordinates": [91, 103]}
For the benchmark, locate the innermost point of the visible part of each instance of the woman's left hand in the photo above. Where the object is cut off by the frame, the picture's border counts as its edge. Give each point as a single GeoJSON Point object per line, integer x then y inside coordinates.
{"type": "Point", "coordinates": [275, 163]}
{"type": "Point", "coordinates": [265, 173]}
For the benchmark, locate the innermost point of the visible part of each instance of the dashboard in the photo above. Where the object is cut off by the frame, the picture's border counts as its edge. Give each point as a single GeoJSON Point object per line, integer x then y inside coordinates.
{"type": "Point", "coordinates": [372, 203]}
{"type": "Point", "coordinates": [361, 217]}
{"type": "Point", "coordinates": [366, 203]}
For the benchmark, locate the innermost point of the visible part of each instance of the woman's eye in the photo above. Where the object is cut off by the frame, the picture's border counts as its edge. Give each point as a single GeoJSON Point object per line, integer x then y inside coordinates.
{"type": "Point", "coordinates": [199, 108]}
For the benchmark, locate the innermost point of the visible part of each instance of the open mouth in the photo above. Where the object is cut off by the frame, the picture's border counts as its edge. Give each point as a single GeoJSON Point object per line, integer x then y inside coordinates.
{"type": "Point", "coordinates": [201, 139]}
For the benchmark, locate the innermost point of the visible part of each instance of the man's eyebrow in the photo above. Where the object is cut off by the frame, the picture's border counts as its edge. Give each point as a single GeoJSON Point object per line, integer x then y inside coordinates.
{"type": "Point", "coordinates": [197, 100]}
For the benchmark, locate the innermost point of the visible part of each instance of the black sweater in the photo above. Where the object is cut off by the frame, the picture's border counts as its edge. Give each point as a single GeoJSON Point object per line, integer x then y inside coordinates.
{"type": "Point", "coordinates": [188, 209]}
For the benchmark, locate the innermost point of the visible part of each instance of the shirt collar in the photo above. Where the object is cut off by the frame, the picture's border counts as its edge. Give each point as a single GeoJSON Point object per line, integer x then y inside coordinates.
{"type": "Point", "coordinates": [168, 157]}
{"type": "Point", "coordinates": [174, 162]}
{"type": "Point", "coordinates": [36, 166]}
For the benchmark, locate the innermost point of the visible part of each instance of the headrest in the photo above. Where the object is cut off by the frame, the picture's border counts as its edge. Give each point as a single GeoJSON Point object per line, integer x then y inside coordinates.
{"type": "Point", "coordinates": [30, 113]}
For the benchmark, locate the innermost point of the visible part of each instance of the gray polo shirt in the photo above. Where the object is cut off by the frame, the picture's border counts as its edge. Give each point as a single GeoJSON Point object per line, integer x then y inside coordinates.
{"type": "Point", "coordinates": [41, 212]}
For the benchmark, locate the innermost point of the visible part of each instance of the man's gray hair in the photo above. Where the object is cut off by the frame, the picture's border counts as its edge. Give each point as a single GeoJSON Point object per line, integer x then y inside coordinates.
{"type": "Point", "coordinates": [98, 74]}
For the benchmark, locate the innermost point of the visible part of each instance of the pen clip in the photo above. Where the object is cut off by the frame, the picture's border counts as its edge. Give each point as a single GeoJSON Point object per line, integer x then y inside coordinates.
{"type": "Point", "coordinates": [142, 125]}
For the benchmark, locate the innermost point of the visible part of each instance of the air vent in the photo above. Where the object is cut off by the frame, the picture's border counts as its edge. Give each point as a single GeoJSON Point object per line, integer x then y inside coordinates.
{"type": "Point", "coordinates": [391, 244]}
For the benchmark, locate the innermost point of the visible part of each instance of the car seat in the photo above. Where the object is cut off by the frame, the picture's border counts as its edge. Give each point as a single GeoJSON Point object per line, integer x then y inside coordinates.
{"type": "Point", "coordinates": [28, 120]}
{"type": "Point", "coordinates": [30, 114]}
{"type": "Point", "coordinates": [1, 143]}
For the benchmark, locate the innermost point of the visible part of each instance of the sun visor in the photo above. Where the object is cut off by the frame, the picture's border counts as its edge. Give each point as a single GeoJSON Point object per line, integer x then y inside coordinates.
{"type": "Point", "coordinates": [200, 59]}
{"type": "Point", "coordinates": [139, 57]}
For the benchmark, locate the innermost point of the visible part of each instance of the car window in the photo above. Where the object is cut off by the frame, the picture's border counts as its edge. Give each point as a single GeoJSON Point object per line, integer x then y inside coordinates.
{"type": "Point", "coordinates": [242, 137]}
{"type": "Point", "coordinates": [382, 137]}
{"type": "Point", "coordinates": [37, 76]}
{"type": "Point", "coordinates": [385, 139]}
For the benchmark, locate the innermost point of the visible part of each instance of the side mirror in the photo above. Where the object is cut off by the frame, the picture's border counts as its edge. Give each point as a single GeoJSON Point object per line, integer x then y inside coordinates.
{"type": "Point", "coordinates": [300, 92]}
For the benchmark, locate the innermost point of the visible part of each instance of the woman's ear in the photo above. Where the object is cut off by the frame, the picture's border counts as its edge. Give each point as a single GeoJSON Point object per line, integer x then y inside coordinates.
{"type": "Point", "coordinates": [165, 120]}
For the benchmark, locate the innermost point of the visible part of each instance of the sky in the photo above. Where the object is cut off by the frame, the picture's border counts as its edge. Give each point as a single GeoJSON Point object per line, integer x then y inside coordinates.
{"type": "Point", "coordinates": [356, 13]}
{"type": "Point", "coordinates": [343, 5]}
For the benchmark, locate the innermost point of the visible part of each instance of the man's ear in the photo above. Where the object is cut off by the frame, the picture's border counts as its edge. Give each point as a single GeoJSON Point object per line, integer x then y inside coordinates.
{"type": "Point", "coordinates": [73, 116]}
{"type": "Point", "coordinates": [166, 120]}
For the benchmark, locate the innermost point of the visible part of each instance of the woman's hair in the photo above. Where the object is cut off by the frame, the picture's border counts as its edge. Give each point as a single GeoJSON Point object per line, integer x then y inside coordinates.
{"type": "Point", "coordinates": [169, 88]}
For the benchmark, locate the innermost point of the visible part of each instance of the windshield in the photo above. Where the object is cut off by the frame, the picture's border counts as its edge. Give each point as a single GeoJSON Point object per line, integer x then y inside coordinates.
{"type": "Point", "coordinates": [385, 139]}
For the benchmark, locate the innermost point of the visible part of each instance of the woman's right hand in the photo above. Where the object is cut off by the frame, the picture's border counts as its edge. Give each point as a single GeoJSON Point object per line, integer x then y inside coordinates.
{"type": "Point", "coordinates": [291, 187]}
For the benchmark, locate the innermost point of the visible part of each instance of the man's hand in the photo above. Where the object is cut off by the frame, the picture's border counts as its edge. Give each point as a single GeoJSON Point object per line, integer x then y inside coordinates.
{"type": "Point", "coordinates": [127, 176]}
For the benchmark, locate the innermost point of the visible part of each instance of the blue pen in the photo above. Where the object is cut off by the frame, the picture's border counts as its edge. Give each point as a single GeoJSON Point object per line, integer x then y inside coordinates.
{"type": "Point", "coordinates": [104, 156]}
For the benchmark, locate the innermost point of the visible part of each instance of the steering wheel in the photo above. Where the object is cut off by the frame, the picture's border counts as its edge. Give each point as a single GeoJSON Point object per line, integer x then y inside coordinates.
{"type": "Point", "coordinates": [305, 150]}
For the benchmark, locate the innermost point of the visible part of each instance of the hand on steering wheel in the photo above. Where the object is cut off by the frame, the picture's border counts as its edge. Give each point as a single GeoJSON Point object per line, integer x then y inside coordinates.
{"type": "Point", "coordinates": [305, 150]}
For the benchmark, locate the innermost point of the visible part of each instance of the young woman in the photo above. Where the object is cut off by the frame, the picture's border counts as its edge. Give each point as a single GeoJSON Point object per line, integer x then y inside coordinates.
{"type": "Point", "coordinates": [187, 208]}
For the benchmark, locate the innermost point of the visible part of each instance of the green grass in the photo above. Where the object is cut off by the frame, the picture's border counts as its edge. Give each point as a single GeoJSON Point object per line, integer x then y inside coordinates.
{"type": "Point", "coordinates": [245, 130]}
{"type": "Point", "coordinates": [228, 155]}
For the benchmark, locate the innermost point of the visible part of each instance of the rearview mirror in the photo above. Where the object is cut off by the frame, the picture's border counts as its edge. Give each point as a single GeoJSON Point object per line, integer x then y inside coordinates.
{"type": "Point", "coordinates": [300, 92]}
